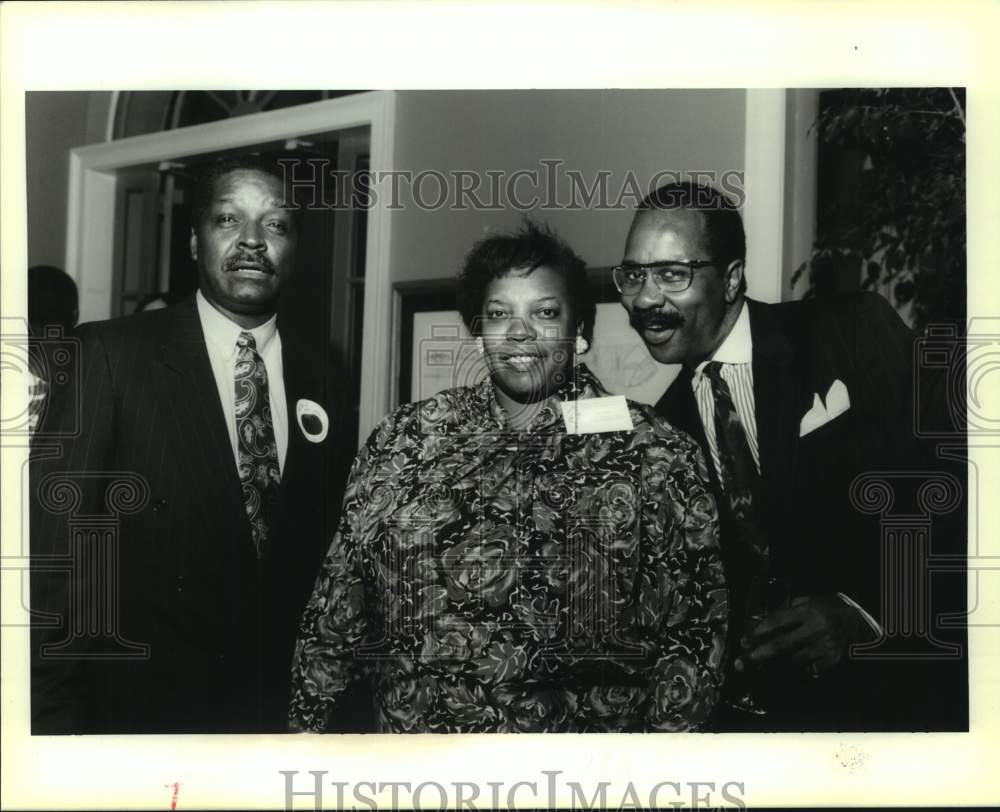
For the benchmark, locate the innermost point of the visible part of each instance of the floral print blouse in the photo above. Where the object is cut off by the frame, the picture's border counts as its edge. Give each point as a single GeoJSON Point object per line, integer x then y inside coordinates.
{"type": "Point", "coordinates": [485, 580]}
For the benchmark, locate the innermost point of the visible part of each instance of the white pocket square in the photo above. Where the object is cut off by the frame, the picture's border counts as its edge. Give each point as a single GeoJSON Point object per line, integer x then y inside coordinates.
{"type": "Point", "coordinates": [823, 411]}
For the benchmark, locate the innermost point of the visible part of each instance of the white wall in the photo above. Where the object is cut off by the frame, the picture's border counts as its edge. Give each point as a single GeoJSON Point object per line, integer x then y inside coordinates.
{"type": "Point", "coordinates": [645, 131]}
{"type": "Point", "coordinates": [631, 133]}
{"type": "Point", "coordinates": [56, 122]}
{"type": "Point", "coordinates": [589, 130]}
{"type": "Point", "coordinates": [800, 187]}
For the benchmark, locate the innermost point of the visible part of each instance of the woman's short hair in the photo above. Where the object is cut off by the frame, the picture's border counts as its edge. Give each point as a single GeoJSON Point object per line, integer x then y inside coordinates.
{"type": "Point", "coordinates": [532, 246]}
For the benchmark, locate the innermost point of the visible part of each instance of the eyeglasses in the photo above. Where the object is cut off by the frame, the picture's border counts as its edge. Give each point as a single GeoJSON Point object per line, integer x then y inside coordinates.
{"type": "Point", "coordinates": [670, 277]}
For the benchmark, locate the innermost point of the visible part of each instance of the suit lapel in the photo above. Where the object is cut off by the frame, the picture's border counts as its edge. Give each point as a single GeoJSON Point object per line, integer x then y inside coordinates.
{"type": "Point", "coordinates": [302, 381]}
{"type": "Point", "coordinates": [779, 397]}
{"type": "Point", "coordinates": [192, 397]}
{"type": "Point", "coordinates": [304, 481]}
{"type": "Point", "coordinates": [300, 529]}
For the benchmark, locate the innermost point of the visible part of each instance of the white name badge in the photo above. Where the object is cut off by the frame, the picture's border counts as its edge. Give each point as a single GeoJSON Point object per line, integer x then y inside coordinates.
{"type": "Point", "coordinates": [596, 415]}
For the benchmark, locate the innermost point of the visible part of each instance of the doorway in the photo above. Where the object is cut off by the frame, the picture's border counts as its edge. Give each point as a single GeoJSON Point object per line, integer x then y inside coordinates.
{"type": "Point", "coordinates": [324, 302]}
{"type": "Point", "coordinates": [346, 259]}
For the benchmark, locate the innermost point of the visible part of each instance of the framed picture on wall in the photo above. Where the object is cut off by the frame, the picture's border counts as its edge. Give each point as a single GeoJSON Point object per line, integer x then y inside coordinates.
{"type": "Point", "coordinates": [436, 351]}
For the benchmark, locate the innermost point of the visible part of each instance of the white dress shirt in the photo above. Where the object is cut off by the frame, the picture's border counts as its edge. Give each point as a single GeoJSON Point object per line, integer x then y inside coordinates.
{"type": "Point", "coordinates": [220, 339]}
{"type": "Point", "coordinates": [736, 356]}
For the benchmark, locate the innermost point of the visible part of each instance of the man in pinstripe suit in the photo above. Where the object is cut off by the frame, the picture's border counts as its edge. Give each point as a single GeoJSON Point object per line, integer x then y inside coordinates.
{"type": "Point", "coordinates": [790, 403]}
{"type": "Point", "coordinates": [177, 531]}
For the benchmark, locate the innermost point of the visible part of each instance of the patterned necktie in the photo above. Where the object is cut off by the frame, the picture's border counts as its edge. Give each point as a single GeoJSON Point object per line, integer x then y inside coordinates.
{"type": "Point", "coordinates": [745, 548]}
{"type": "Point", "coordinates": [738, 475]}
{"type": "Point", "coordinates": [256, 446]}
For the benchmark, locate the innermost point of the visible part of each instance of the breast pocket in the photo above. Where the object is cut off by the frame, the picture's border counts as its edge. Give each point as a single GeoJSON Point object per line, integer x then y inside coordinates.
{"type": "Point", "coordinates": [828, 460]}
{"type": "Point", "coordinates": [829, 436]}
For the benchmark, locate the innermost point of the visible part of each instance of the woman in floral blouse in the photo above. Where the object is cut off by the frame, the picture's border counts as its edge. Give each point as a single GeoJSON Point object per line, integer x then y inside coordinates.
{"type": "Point", "coordinates": [493, 572]}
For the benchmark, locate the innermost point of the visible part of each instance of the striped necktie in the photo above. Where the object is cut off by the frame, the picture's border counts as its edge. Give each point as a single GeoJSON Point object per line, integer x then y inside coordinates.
{"type": "Point", "coordinates": [257, 449]}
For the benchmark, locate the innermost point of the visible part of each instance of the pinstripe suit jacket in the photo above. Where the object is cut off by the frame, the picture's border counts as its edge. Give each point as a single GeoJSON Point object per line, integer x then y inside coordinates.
{"type": "Point", "coordinates": [820, 542]}
{"type": "Point", "coordinates": [162, 619]}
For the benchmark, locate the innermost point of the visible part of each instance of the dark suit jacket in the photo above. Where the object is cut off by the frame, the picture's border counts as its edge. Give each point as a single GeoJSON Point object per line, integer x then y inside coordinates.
{"type": "Point", "coordinates": [820, 541]}
{"type": "Point", "coordinates": [189, 631]}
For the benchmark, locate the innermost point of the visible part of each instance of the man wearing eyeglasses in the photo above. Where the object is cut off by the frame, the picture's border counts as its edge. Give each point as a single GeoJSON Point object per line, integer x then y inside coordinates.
{"type": "Point", "coordinates": [790, 403]}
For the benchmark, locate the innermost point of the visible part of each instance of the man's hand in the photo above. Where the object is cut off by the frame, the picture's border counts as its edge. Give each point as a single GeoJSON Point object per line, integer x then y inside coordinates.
{"type": "Point", "coordinates": [813, 633]}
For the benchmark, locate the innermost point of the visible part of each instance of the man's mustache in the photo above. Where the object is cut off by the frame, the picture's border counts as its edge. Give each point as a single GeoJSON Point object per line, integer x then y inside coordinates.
{"type": "Point", "coordinates": [655, 320]}
{"type": "Point", "coordinates": [263, 261]}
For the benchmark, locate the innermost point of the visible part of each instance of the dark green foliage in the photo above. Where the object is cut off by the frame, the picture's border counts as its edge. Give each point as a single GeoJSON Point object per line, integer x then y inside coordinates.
{"type": "Point", "coordinates": [903, 221]}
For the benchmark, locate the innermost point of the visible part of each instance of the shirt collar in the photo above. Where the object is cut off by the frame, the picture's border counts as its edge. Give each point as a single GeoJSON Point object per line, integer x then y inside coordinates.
{"type": "Point", "coordinates": [736, 348]}
{"type": "Point", "coordinates": [221, 333]}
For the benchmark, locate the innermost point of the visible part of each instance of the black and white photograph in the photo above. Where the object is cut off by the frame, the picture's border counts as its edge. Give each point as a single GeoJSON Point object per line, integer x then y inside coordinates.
{"type": "Point", "coordinates": [347, 412]}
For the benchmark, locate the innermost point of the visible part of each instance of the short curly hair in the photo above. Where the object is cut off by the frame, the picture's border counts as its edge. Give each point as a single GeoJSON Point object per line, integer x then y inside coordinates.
{"type": "Point", "coordinates": [532, 246]}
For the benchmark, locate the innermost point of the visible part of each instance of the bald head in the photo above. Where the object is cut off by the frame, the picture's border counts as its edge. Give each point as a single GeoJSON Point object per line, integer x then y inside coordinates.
{"type": "Point", "coordinates": [669, 234]}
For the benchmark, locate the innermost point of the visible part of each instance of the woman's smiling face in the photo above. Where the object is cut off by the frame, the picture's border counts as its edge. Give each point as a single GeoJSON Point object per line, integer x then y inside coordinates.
{"type": "Point", "coordinates": [528, 329]}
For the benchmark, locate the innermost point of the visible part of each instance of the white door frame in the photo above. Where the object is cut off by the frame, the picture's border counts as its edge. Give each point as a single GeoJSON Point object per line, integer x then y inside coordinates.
{"type": "Point", "coordinates": [91, 210]}
{"type": "Point", "coordinates": [764, 184]}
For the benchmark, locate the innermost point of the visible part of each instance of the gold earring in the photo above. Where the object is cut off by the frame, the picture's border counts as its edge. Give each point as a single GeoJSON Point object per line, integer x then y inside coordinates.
{"type": "Point", "coordinates": [581, 345]}
{"type": "Point", "coordinates": [479, 345]}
